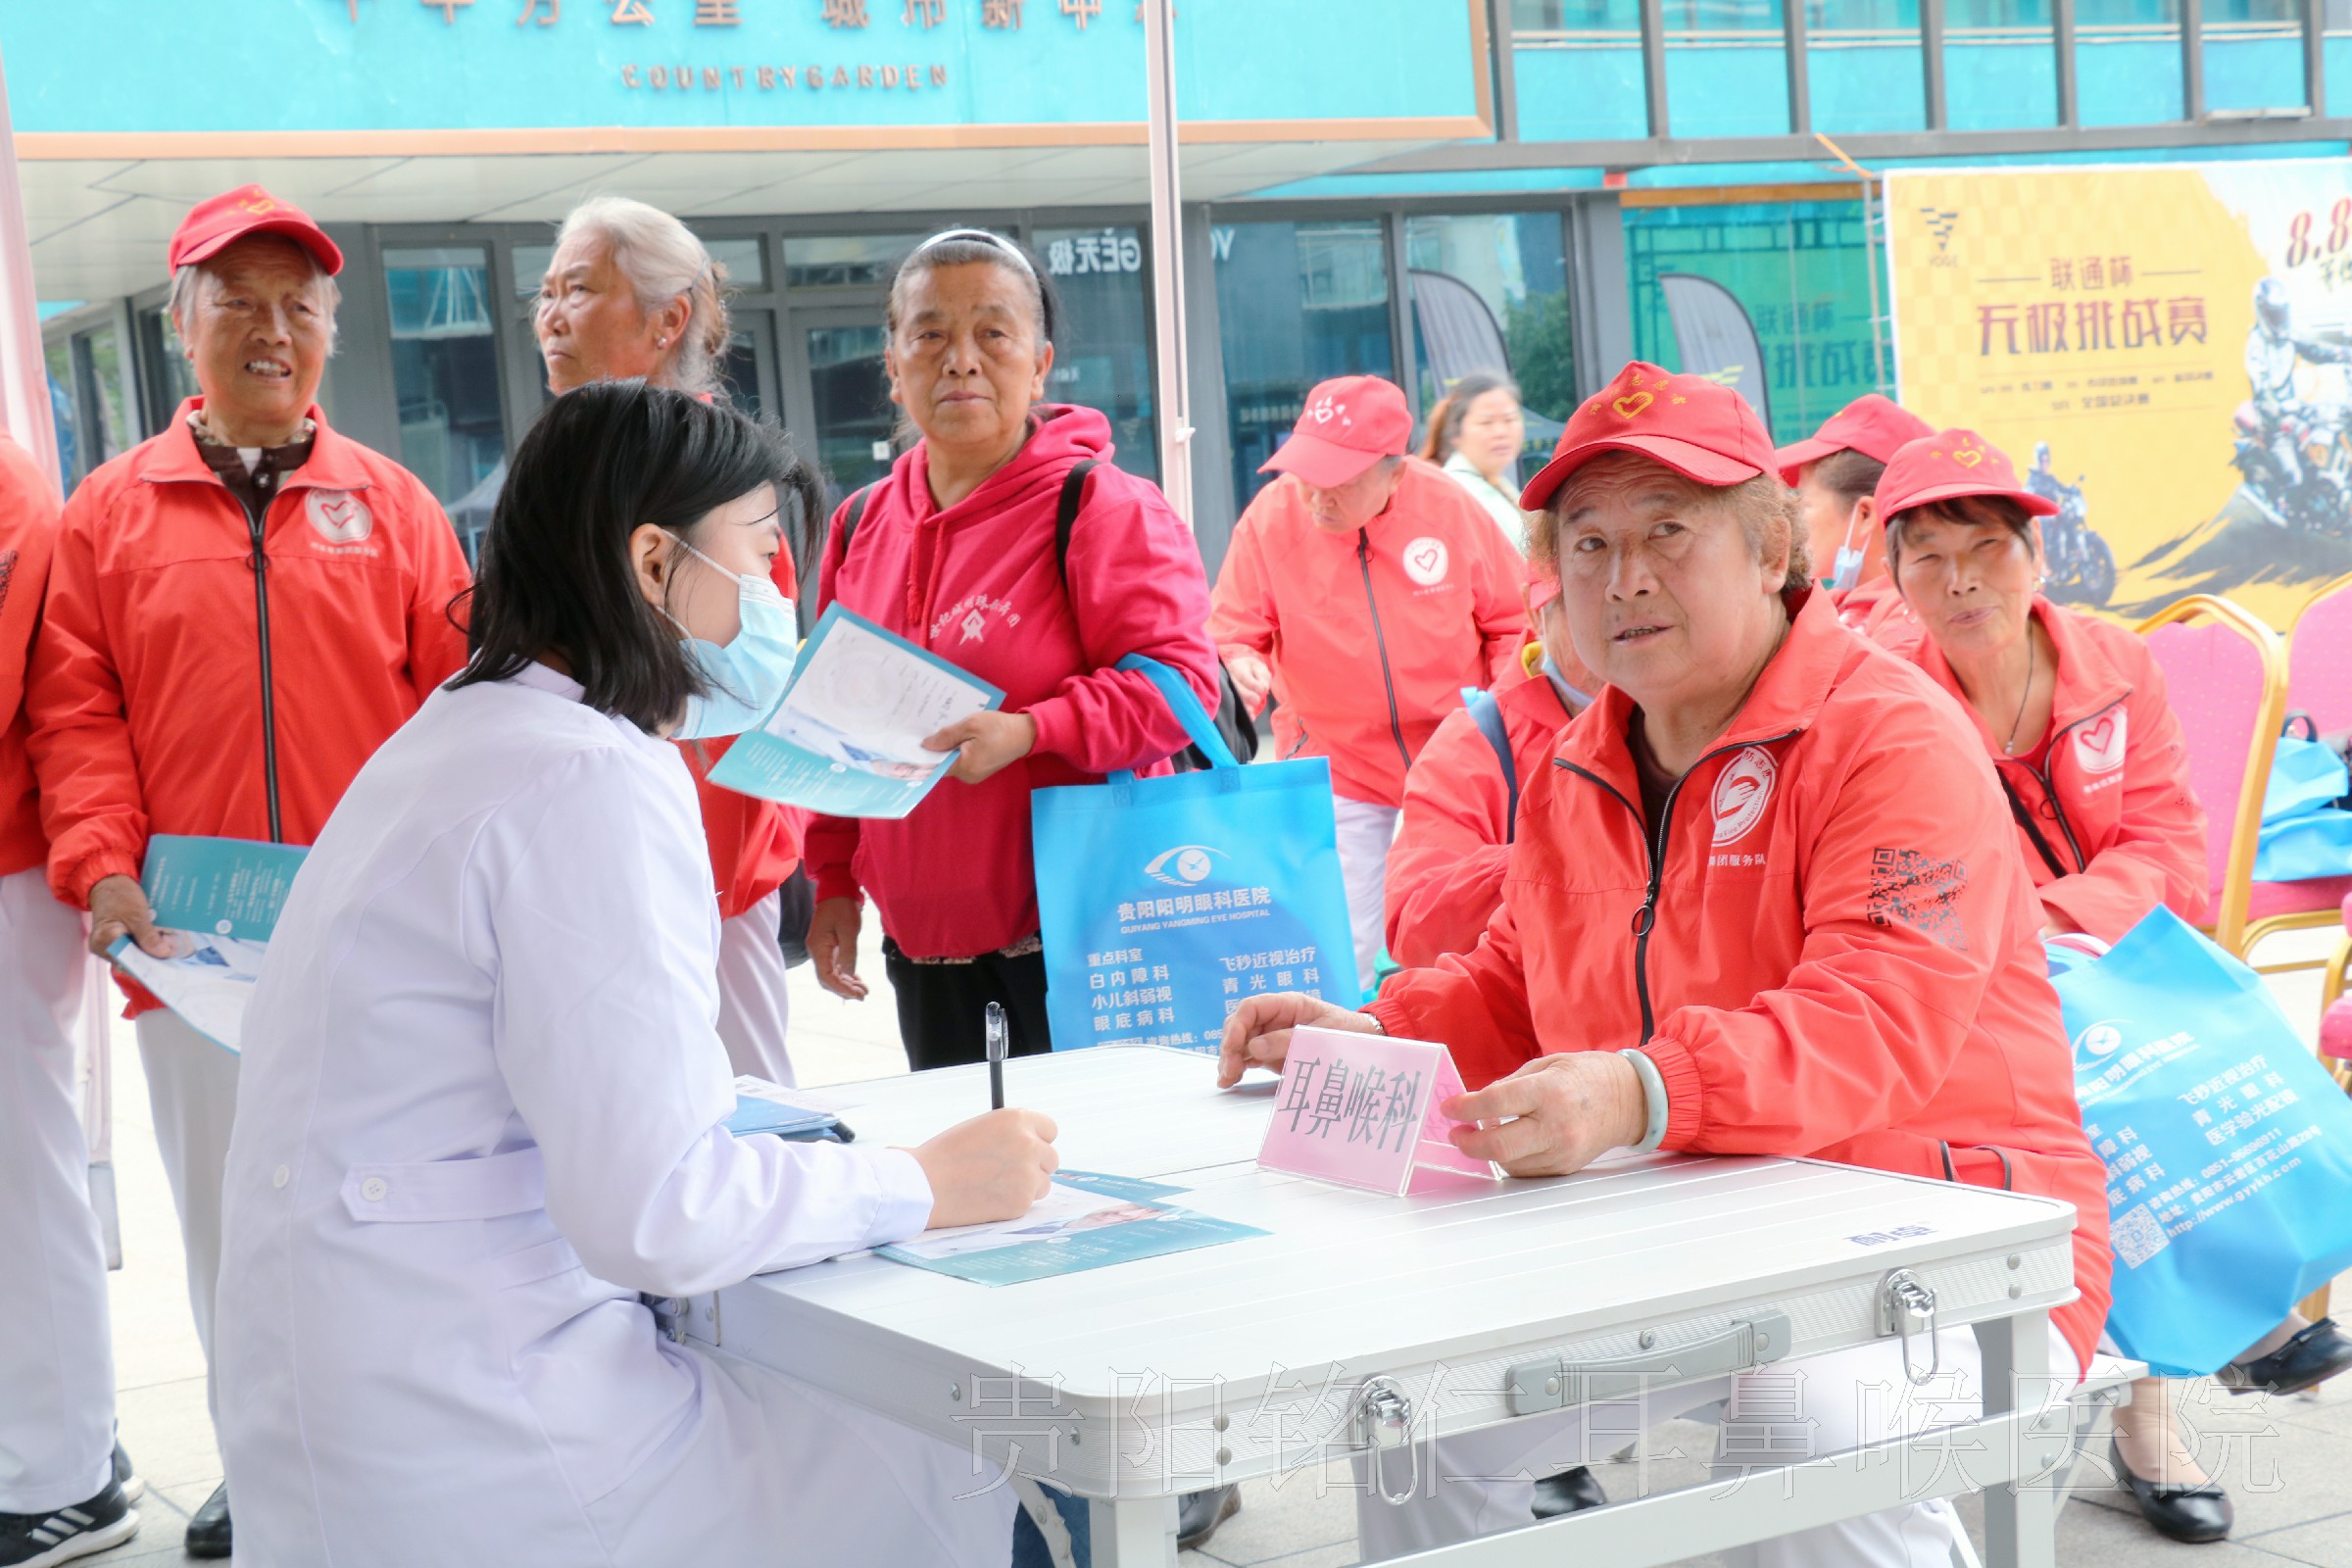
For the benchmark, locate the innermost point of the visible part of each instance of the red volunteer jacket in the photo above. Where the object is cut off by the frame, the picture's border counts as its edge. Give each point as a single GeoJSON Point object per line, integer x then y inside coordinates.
{"type": "Point", "coordinates": [29, 510]}
{"type": "Point", "coordinates": [1877, 610]}
{"type": "Point", "coordinates": [2117, 829]}
{"type": "Point", "coordinates": [1371, 635]}
{"type": "Point", "coordinates": [153, 681]}
{"type": "Point", "coordinates": [1841, 956]}
{"type": "Point", "coordinates": [977, 584]}
{"type": "Point", "coordinates": [1453, 843]}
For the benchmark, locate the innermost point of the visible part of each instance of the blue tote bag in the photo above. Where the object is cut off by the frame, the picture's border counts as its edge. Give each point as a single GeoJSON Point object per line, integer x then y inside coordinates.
{"type": "Point", "coordinates": [1165, 902]}
{"type": "Point", "coordinates": [2228, 1148]}
{"type": "Point", "coordinates": [2304, 833]}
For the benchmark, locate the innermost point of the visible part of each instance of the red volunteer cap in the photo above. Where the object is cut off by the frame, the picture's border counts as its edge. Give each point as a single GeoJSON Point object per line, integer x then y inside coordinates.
{"type": "Point", "coordinates": [1871, 424]}
{"type": "Point", "coordinates": [1947, 464]}
{"type": "Point", "coordinates": [1349, 423]}
{"type": "Point", "coordinates": [1702, 431]}
{"type": "Point", "coordinates": [211, 226]}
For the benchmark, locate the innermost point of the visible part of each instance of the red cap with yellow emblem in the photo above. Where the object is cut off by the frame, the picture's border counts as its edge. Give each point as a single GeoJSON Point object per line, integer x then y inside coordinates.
{"type": "Point", "coordinates": [1949, 465]}
{"type": "Point", "coordinates": [1702, 430]}
{"type": "Point", "coordinates": [1875, 426]}
{"type": "Point", "coordinates": [213, 226]}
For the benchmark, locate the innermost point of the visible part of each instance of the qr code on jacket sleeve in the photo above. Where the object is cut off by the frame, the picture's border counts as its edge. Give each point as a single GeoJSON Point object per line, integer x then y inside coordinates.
{"type": "Point", "coordinates": [2137, 1235]}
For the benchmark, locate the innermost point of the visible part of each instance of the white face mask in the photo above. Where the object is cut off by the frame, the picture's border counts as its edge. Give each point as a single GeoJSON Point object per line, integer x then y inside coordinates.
{"type": "Point", "coordinates": [747, 675]}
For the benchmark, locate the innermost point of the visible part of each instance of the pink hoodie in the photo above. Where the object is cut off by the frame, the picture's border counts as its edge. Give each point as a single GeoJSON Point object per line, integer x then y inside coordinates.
{"type": "Point", "coordinates": [977, 585]}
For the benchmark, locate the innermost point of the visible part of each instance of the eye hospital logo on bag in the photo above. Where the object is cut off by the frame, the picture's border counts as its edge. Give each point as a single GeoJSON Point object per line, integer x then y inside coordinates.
{"type": "Point", "coordinates": [1741, 792]}
{"type": "Point", "coordinates": [2099, 744]}
{"type": "Point", "coordinates": [1426, 559]}
{"type": "Point", "coordinates": [340, 517]}
{"type": "Point", "coordinates": [2099, 1039]}
{"type": "Point", "coordinates": [1183, 866]}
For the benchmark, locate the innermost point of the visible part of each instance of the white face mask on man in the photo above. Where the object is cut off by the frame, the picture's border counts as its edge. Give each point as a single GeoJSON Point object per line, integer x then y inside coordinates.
{"type": "Point", "coordinates": [747, 674]}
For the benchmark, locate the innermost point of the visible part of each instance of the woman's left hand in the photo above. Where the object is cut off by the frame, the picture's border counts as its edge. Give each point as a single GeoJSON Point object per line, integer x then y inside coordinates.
{"type": "Point", "coordinates": [992, 742]}
{"type": "Point", "coordinates": [1568, 1110]}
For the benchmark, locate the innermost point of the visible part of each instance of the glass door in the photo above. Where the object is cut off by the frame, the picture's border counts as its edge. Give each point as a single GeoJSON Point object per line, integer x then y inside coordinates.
{"type": "Point", "coordinates": [849, 419]}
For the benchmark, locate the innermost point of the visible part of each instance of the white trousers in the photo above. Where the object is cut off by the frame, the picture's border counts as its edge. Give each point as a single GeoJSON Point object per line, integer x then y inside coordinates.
{"type": "Point", "coordinates": [1484, 1482]}
{"type": "Point", "coordinates": [192, 1093]}
{"type": "Point", "coordinates": [1365, 832]}
{"type": "Point", "coordinates": [754, 1004]}
{"type": "Point", "coordinates": [57, 1360]}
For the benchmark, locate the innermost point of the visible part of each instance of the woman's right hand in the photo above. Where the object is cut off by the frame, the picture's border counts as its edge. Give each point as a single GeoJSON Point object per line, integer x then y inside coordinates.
{"type": "Point", "coordinates": [119, 908]}
{"type": "Point", "coordinates": [1259, 1034]}
{"type": "Point", "coordinates": [1251, 679]}
{"type": "Point", "coordinates": [992, 1167]}
{"type": "Point", "coordinates": [833, 947]}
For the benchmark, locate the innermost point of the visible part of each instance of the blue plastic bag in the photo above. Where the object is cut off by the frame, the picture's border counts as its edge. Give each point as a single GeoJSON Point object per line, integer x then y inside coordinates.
{"type": "Point", "coordinates": [1164, 901]}
{"type": "Point", "coordinates": [2305, 835]}
{"type": "Point", "coordinates": [2228, 1148]}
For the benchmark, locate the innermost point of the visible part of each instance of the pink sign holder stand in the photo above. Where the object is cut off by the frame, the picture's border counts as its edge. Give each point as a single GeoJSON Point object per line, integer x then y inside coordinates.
{"type": "Point", "coordinates": [1361, 1110]}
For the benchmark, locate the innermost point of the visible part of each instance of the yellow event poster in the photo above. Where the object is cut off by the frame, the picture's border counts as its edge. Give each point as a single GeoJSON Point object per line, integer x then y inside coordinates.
{"type": "Point", "coordinates": [2163, 350]}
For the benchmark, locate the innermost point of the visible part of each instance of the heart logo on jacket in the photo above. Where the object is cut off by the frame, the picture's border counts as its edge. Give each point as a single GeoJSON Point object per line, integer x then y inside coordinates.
{"type": "Point", "coordinates": [1425, 562]}
{"type": "Point", "coordinates": [2099, 744]}
{"type": "Point", "coordinates": [1741, 792]}
{"type": "Point", "coordinates": [341, 518]}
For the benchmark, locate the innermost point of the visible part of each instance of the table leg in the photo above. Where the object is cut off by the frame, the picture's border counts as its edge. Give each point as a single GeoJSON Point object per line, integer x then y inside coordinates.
{"type": "Point", "coordinates": [2021, 1517]}
{"type": "Point", "coordinates": [1132, 1532]}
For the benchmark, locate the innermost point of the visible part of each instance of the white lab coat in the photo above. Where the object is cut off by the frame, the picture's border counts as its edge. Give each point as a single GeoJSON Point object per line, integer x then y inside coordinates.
{"type": "Point", "coordinates": [479, 1112]}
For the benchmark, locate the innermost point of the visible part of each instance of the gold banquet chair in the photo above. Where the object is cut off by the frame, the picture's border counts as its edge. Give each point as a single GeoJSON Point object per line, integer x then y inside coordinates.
{"type": "Point", "coordinates": [2319, 682]}
{"type": "Point", "coordinates": [2227, 675]}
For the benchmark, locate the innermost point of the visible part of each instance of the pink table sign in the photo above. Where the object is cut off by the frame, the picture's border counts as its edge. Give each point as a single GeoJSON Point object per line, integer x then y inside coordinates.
{"type": "Point", "coordinates": [1363, 1110]}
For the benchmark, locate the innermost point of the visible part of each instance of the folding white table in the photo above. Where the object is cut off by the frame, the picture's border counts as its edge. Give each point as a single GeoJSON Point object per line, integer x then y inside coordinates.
{"type": "Point", "coordinates": [1358, 1319]}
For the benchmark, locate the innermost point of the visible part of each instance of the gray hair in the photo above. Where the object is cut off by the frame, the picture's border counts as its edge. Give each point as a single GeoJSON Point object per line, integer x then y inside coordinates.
{"type": "Point", "coordinates": [663, 262]}
{"type": "Point", "coordinates": [183, 297]}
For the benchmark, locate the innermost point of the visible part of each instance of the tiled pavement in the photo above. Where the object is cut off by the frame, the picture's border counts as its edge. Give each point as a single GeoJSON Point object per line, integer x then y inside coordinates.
{"type": "Point", "coordinates": [2287, 1462]}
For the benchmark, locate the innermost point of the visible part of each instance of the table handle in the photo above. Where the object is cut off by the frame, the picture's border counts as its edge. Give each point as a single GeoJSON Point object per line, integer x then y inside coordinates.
{"type": "Point", "coordinates": [1740, 1345]}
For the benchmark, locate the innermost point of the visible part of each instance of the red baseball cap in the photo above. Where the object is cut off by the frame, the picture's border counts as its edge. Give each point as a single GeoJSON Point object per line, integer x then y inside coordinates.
{"type": "Point", "coordinates": [1871, 424]}
{"type": "Point", "coordinates": [1349, 423]}
{"type": "Point", "coordinates": [211, 226]}
{"type": "Point", "coordinates": [1702, 430]}
{"type": "Point", "coordinates": [1947, 464]}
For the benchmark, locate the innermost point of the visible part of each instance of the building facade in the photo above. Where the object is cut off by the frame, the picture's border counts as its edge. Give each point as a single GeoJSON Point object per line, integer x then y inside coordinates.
{"type": "Point", "coordinates": [1415, 188]}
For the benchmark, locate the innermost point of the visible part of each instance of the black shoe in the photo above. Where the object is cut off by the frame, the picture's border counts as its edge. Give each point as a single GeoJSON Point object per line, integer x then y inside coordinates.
{"type": "Point", "coordinates": [36, 1539]}
{"type": "Point", "coordinates": [134, 1485]}
{"type": "Point", "coordinates": [1198, 1513]}
{"type": "Point", "coordinates": [2310, 1358]}
{"type": "Point", "coordinates": [2195, 1514]}
{"type": "Point", "coordinates": [208, 1532]}
{"type": "Point", "coordinates": [1568, 1491]}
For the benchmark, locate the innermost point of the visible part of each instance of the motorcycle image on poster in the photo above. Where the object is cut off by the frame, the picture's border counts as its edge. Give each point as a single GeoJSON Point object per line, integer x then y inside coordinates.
{"type": "Point", "coordinates": [2172, 342]}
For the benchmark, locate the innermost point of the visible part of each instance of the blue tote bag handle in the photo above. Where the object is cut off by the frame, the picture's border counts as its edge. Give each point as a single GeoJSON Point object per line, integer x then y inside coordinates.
{"type": "Point", "coordinates": [1186, 708]}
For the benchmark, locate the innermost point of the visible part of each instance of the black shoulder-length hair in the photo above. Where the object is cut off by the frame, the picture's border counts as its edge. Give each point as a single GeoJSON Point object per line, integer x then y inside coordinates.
{"type": "Point", "coordinates": [600, 462]}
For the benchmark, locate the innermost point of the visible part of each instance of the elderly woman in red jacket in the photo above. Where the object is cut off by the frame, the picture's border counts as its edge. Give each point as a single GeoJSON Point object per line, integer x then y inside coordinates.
{"type": "Point", "coordinates": [956, 551]}
{"type": "Point", "coordinates": [2072, 711]}
{"type": "Point", "coordinates": [1763, 901]}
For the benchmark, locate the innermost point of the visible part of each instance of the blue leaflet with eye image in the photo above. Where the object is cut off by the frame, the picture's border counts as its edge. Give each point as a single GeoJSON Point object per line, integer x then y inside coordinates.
{"type": "Point", "coordinates": [847, 737]}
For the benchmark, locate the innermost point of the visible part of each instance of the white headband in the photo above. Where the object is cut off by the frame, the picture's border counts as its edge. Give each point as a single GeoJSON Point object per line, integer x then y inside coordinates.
{"type": "Point", "coordinates": [998, 241]}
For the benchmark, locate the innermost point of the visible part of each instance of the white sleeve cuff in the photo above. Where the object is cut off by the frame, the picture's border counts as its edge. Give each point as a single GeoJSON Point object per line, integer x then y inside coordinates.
{"type": "Point", "coordinates": [902, 1197]}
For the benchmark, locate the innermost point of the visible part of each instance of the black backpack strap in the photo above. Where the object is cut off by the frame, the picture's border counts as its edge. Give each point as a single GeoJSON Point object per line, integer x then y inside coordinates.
{"type": "Point", "coordinates": [1487, 713]}
{"type": "Point", "coordinates": [854, 516]}
{"type": "Point", "coordinates": [1065, 518]}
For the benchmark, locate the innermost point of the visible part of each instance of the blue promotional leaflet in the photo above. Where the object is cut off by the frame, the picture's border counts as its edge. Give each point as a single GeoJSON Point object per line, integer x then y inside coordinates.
{"type": "Point", "coordinates": [846, 739]}
{"type": "Point", "coordinates": [1086, 1221]}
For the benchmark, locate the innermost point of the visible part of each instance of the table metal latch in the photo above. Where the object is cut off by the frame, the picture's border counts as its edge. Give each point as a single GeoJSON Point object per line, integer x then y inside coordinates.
{"type": "Point", "coordinates": [1383, 1419]}
{"type": "Point", "coordinates": [1907, 1306]}
{"type": "Point", "coordinates": [1741, 1346]}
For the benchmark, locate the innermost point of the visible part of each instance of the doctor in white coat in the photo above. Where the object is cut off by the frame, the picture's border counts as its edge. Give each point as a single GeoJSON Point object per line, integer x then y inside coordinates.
{"type": "Point", "coordinates": [481, 1101]}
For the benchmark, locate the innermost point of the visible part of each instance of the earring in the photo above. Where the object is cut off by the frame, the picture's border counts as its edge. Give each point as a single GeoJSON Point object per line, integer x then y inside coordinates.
{"type": "Point", "coordinates": [661, 342]}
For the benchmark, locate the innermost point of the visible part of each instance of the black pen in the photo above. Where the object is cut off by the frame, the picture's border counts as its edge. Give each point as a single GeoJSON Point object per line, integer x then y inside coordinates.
{"type": "Point", "coordinates": [996, 1056]}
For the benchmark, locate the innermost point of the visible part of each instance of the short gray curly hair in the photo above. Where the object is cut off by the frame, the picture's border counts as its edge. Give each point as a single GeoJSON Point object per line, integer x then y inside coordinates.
{"type": "Point", "coordinates": [183, 297]}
